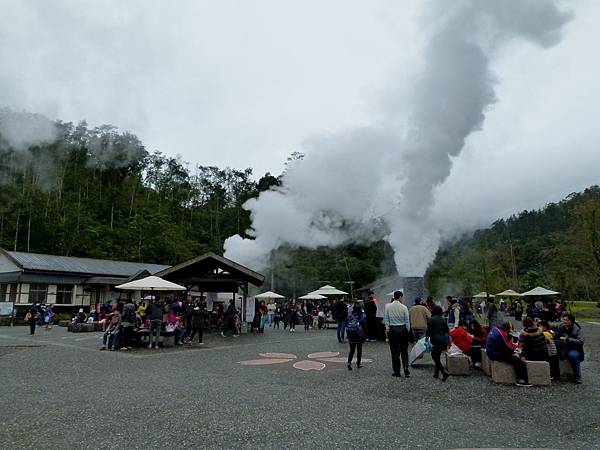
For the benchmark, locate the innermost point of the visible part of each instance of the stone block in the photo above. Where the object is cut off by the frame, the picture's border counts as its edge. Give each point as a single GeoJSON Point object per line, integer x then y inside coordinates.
{"type": "Point", "coordinates": [538, 373]}
{"type": "Point", "coordinates": [458, 364]}
{"type": "Point", "coordinates": [503, 373]}
{"type": "Point", "coordinates": [64, 323]}
{"type": "Point", "coordinates": [486, 363]}
{"type": "Point", "coordinates": [566, 370]}
{"type": "Point", "coordinates": [168, 341]}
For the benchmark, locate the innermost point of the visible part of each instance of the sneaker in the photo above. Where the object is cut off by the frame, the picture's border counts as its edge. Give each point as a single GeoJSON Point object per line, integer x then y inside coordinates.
{"type": "Point", "coordinates": [522, 383]}
{"type": "Point", "coordinates": [445, 376]}
{"type": "Point", "coordinates": [396, 375]}
{"type": "Point", "coordinates": [349, 366]}
{"type": "Point", "coordinates": [477, 365]}
{"type": "Point", "coordinates": [236, 335]}
{"type": "Point", "coordinates": [200, 343]}
{"type": "Point", "coordinates": [102, 348]}
{"type": "Point", "coordinates": [223, 334]}
{"type": "Point", "coordinates": [578, 380]}
{"type": "Point", "coordinates": [407, 374]}
{"type": "Point", "coordinates": [358, 366]}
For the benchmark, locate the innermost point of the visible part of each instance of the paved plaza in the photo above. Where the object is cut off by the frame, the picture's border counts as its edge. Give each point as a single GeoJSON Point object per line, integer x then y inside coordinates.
{"type": "Point", "coordinates": [277, 390]}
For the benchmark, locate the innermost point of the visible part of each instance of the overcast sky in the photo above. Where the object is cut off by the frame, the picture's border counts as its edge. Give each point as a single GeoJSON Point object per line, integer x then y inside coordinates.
{"type": "Point", "coordinates": [245, 83]}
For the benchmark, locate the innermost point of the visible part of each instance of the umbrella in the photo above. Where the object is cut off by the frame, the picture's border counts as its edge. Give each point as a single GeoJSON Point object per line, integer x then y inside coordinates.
{"type": "Point", "coordinates": [540, 291]}
{"type": "Point", "coordinates": [269, 295]}
{"type": "Point", "coordinates": [329, 290]}
{"type": "Point", "coordinates": [508, 293]}
{"type": "Point", "coordinates": [148, 297]}
{"type": "Point", "coordinates": [153, 283]}
{"type": "Point", "coordinates": [418, 350]}
{"type": "Point", "coordinates": [312, 296]}
{"type": "Point", "coordinates": [483, 295]}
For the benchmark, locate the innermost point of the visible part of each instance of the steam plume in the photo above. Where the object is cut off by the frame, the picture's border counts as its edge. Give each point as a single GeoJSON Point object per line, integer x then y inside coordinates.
{"type": "Point", "coordinates": [349, 184]}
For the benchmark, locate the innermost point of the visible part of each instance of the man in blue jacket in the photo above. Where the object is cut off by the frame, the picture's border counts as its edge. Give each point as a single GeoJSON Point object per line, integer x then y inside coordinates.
{"type": "Point", "coordinates": [499, 347]}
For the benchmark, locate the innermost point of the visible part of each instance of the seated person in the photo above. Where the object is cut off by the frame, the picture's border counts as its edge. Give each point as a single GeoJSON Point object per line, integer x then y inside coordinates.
{"type": "Point", "coordinates": [180, 331]}
{"type": "Point", "coordinates": [532, 342]}
{"type": "Point", "coordinates": [464, 341]}
{"type": "Point", "coordinates": [499, 347]}
{"type": "Point", "coordinates": [112, 330]}
{"type": "Point", "coordinates": [570, 334]}
{"type": "Point", "coordinates": [80, 317]}
{"type": "Point", "coordinates": [479, 333]}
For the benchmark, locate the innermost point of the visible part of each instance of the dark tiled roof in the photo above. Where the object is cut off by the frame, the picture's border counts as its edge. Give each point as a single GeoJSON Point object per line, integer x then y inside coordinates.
{"type": "Point", "coordinates": [89, 266]}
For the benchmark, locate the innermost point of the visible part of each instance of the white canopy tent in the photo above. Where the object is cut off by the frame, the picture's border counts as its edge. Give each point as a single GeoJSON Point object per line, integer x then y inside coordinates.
{"type": "Point", "coordinates": [151, 283]}
{"type": "Point", "coordinates": [484, 295]}
{"type": "Point", "coordinates": [269, 295]}
{"type": "Point", "coordinates": [509, 293]}
{"type": "Point", "coordinates": [539, 291]}
{"type": "Point", "coordinates": [312, 296]}
{"type": "Point", "coordinates": [328, 290]}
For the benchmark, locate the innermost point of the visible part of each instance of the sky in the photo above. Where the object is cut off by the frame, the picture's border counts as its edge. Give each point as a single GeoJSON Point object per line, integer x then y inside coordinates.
{"type": "Point", "coordinates": [245, 84]}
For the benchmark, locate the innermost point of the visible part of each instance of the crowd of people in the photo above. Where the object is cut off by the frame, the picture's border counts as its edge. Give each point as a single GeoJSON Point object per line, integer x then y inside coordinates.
{"type": "Point", "coordinates": [39, 315]}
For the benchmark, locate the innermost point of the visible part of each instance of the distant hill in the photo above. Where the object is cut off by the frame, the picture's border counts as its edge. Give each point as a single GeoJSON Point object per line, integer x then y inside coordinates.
{"type": "Point", "coordinates": [557, 247]}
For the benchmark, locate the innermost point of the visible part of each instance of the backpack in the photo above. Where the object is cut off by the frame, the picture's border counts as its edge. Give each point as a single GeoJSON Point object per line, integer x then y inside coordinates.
{"type": "Point", "coordinates": [353, 328]}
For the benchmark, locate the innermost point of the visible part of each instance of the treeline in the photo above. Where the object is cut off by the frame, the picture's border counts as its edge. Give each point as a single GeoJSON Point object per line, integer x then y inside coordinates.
{"type": "Point", "coordinates": [97, 192]}
{"type": "Point", "coordinates": [557, 247]}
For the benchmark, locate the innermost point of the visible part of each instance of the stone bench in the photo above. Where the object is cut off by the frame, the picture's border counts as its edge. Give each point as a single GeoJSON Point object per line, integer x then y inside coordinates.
{"type": "Point", "coordinates": [566, 370]}
{"type": "Point", "coordinates": [64, 323]}
{"type": "Point", "coordinates": [503, 373]}
{"type": "Point", "coordinates": [81, 327]}
{"type": "Point", "coordinates": [167, 339]}
{"type": "Point", "coordinates": [486, 363]}
{"type": "Point", "coordinates": [458, 364]}
{"type": "Point", "coordinates": [538, 373]}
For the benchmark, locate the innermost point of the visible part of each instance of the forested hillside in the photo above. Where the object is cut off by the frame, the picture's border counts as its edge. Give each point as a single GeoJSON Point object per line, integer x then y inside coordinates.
{"type": "Point", "coordinates": [557, 247]}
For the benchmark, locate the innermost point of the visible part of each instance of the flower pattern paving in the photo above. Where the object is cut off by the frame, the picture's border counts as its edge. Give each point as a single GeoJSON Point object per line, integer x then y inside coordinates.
{"type": "Point", "coordinates": [315, 362]}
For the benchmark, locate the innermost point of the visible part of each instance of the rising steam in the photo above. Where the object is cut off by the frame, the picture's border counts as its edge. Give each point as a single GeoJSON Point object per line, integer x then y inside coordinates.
{"type": "Point", "coordinates": [380, 181]}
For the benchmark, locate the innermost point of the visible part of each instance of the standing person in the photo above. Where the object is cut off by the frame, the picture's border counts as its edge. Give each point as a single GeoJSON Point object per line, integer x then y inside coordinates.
{"type": "Point", "coordinates": [127, 324]}
{"type": "Point", "coordinates": [371, 317]}
{"type": "Point", "coordinates": [570, 335]}
{"type": "Point", "coordinates": [198, 314]}
{"type": "Point", "coordinates": [429, 303]}
{"type": "Point", "coordinates": [453, 312]}
{"type": "Point", "coordinates": [397, 325]}
{"type": "Point", "coordinates": [111, 335]}
{"type": "Point", "coordinates": [155, 314]}
{"type": "Point", "coordinates": [293, 318]}
{"type": "Point", "coordinates": [32, 318]}
{"type": "Point", "coordinates": [437, 332]}
{"type": "Point", "coordinates": [518, 310]}
{"type": "Point", "coordinates": [263, 310]}
{"type": "Point", "coordinates": [229, 320]}
{"type": "Point", "coordinates": [419, 316]}
{"type": "Point", "coordinates": [552, 352]}
{"type": "Point", "coordinates": [188, 313]}
{"type": "Point", "coordinates": [492, 315]}
{"type": "Point", "coordinates": [143, 311]}
{"type": "Point", "coordinates": [48, 317]}
{"type": "Point", "coordinates": [341, 316]}
{"type": "Point", "coordinates": [271, 307]}
{"type": "Point", "coordinates": [356, 336]}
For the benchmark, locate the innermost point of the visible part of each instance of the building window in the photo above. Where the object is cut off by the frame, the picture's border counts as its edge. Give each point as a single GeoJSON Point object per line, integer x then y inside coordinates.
{"type": "Point", "coordinates": [64, 294]}
{"type": "Point", "coordinates": [12, 295]}
{"type": "Point", "coordinates": [3, 290]}
{"type": "Point", "coordinates": [38, 293]}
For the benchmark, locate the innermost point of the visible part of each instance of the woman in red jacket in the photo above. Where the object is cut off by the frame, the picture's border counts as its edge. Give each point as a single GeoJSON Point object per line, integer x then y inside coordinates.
{"type": "Point", "coordinates": [464, 341]}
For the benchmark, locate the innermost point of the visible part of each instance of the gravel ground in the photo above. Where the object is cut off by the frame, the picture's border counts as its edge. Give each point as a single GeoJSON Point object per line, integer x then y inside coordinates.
{"type": "Point", "coordinates": [59, 391]}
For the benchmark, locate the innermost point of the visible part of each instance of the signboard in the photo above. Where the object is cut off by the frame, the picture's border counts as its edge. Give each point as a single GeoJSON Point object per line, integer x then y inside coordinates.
{"type": "Point", "coordinates": [6, 309]}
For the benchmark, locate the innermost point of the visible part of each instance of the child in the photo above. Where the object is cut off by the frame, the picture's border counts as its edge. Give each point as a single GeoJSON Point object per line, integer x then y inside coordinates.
{"type": "Point", "coordinates": [552, 353]}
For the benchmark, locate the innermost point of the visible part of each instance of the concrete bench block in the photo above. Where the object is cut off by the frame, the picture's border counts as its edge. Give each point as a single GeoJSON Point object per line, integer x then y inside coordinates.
{"type": "Point", "coordinates": [458, 364]}
{"type": "Point", "coordinates": [168, 341]}
{"type": "Point", "coordinates": [486, 363]}
{"type": "Point", "coordinates": [503, 373]}
{"type": "Point", "coordinates": [566, 370]}
{"type": "Point", "coordinates": [64, 323]}
{"type": "Point", "coordinates": [538, 373]}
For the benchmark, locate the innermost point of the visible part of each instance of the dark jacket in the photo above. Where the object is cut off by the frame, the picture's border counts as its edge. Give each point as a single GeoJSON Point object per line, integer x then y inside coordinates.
{"type": "Point", "coordinates": [499, 346]}
{"type": "Point", "coordinates": [370, 309]}
{"type": "Point", "coordinates": [154, 311]}
{"type": "Point", "coordinates": [575, 338]}
{"type": "Point", "coordinates": [198, 317]}
{"type": "Point", "coordinates": [437, 332]}
{"type": "Point", "coordinates": [341, 312]}
{"type": "Point", "coordinates": [534, 344]}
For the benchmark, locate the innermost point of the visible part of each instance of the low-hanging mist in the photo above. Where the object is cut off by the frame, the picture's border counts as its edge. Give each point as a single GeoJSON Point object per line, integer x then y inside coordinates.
{"type": "Point", "coordinates": [379, 181]}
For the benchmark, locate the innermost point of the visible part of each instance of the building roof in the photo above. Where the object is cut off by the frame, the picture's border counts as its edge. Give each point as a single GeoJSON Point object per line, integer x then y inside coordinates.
{"type": "Point", "coordinates": [88, 266]}
{"type": "Point", "coordinates": [210, 261]}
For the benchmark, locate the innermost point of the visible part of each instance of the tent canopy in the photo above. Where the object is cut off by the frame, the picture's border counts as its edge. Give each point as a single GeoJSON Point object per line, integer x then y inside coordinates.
{"type": "Point", "coordinates": [312, 296]}
{"type": "Point", "coordinates": [269, 295]}
{"type": "Point", "coordinates": [483, 295]}
{"type": "Point", "coordinates": [152, 283]}
{"type": "Point", "coordinates": [508, 293]}
{"type": "Point", "coordinates": [329, 290]}
{"type": "Point", "coordinates": [540, 291]}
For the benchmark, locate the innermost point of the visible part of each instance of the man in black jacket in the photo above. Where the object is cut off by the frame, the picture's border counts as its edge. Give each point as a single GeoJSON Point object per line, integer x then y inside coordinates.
{"type": "Point", "coordinates": [571, 335]}
{"type": "Point", "coordinates": [341, 315]}
{"type": "Point", "coordinates": [371, 317]}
